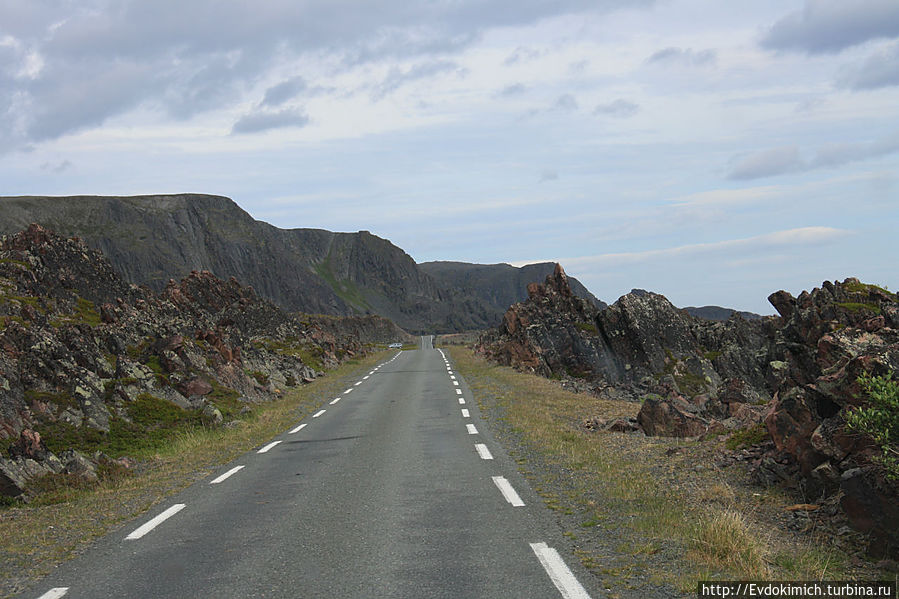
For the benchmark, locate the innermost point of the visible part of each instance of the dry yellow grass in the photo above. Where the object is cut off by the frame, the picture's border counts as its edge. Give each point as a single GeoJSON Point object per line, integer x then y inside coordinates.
{"type": "Point", "coordinates": [629, 481]}
{"type": "Point", "coordinates": [34, 539]}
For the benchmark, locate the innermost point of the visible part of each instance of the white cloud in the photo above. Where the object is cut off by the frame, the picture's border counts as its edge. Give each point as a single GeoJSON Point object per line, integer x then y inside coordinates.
{"type": "Point", "coordinates": [263, 121]}
{"type": "Point", "coordinates": [803, 236]}
{"type": "Point", "coordinates": [830, 26]}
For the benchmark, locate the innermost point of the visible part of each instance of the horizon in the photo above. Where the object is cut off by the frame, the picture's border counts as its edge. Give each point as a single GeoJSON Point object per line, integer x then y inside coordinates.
{"type": "Point", "coordinates": [713, 153]}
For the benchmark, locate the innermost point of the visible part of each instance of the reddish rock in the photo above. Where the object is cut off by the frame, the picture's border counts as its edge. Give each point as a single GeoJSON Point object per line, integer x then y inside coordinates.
{"type": "Point", "coordinates": [197, 386]}
{"type": "Point", "coordinates": [670, 417]}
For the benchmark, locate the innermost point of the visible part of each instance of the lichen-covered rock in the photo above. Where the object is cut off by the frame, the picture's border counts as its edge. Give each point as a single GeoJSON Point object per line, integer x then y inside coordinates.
{"type": "Point", "coordinates": [79, 347]}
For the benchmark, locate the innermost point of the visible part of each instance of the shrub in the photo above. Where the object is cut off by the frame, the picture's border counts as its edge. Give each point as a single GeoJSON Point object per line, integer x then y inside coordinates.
{"type": "Point", "coordinates": [880, 419]}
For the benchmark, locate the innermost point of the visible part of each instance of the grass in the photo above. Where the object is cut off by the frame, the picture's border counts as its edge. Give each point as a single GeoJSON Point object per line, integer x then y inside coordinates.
{"type": "Point", "coordinates": [856, 307]}
{"type": "Point", "coordinates": [745, 437]}
{"type": "Point", "coordinates": [36, 537]}
{"type": "Point", "coordinates": [683, 525]}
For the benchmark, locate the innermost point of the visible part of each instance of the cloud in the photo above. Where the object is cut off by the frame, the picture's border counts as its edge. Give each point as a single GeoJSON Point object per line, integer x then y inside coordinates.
{"type": "Point", "coordinates": [620, 109]}
{"type": "Point", "coordinates": [779, 161]}
{"type": "Point", "coordinates": [516, 89]}
{"type": "Point", "coordinates": [263, 121]}
{"type": "Point", "coordinates": [566, 103]}
{"type": "Point", "coordinates": [59, 167]}
{"type": "Point", "coordinates": [397, 77]}
{"type": "Point", "coordinates": [687, 57]}
{"type": "Point", "coordinates": [549, 174]}
{"type": "Point", "coordinates": [802, 236]}
{"type": "Point", "coordinates": [774, 161]}
{"type": "Point", "coordinates": [829, 26]}
{"type": "Point", "coordinates": [880, 70]}
{"type": "Point", "coordinates": [284, 91]}
{"type": "Point", "coordinates": [195, 57]}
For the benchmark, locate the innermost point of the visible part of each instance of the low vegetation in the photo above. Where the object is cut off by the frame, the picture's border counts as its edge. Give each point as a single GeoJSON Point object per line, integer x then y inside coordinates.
{"type": "Point", "coordinates": [880, 419]}
{"type": "Point", "coordinates": [642, 511]}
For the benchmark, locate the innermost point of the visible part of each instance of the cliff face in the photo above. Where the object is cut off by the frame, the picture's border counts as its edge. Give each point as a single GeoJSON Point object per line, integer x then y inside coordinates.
{"type": "Point", "coordinates": [86, 357]}
{"type": "Point", "coordinates": [151, 239]}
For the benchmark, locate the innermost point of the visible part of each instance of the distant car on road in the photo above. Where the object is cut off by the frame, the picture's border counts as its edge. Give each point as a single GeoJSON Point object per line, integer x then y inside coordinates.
{"type": "Point", "coordinates": [395, 345]}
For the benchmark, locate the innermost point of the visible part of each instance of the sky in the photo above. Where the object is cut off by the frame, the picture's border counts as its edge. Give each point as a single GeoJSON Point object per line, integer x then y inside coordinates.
{"type": "Point", "coordinates": [711, 151]}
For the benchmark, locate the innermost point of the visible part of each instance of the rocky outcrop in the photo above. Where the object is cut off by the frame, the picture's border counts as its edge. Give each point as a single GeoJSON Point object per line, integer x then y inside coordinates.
{"type": "Point", "coordinates": [85, 355]}
{"type": "Point", "coordinates": [641, 344]}
{"type": "Point", "coordinates": [797, 373]}
{"type": "Point", "coordinates": [826, 340]}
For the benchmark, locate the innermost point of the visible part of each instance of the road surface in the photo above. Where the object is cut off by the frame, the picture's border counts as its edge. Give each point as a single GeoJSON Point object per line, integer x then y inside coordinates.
{"type": "Point", "coordinates": [394, 488]}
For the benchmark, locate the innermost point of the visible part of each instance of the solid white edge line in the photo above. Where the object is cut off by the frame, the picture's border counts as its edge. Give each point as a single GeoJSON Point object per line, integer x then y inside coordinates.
{"type": "Point", "coordinates": [334, 401]}
{"type": "Point", "coordinates": [465, 413]}
{"type": "Point", "coordinates": [471, 429]}
{"type": "Point", "coordinates": [55, 593]}
{"type": "Point", "coordinates": [269, 446]}
{"type": "Point", "coordinates": [319, 413]}
{"type": "Point", "coordinates": [461, 401]}
{"type": "Point", "coordinates": [153, 523]}
{"type": "Point", "coordinates": [297, 429]}
{"type": "Point", "coordinates": [483, 451]}
{"type": "Point", "coordinates": [219, 479]}
{"type": "Point", "coordinates": [508, 491]}
{"type": "Point", "coordinates": [558, 572]}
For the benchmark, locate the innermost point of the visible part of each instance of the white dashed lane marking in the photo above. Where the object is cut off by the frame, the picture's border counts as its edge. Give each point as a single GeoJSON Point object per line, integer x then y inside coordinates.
{"type": "Point", "coordinates": [348, 391]}
{"type": "Point", "coordinates": [55, 593]}
{"type": "Point", "coordinates": [458, 391]}
{"type": "Point", "coordinates": [508, 492]}
{"type": "Point", "coordinates": [268, 447]}
{"type": "Point", "coordinates": [297, 429]}
{"type": "Point", "coordinates": [224, 476]}
{"type": "Point", "coordinates": [334, 401]}
{"type": "Point", "coordinates": [558, 572]}
{"type": "Point", "coordinates": [465, 413]}
{"type": "Point", "coordinates": [483, 451]}
{"type": "Point", "coordinates": [471, 429]}
{"type": "Point", "coordinates": [142, 530]}
{"type": "Point", "coordinates": [319, 413]}
{"type": "Point", "coordinates": [461, 401]}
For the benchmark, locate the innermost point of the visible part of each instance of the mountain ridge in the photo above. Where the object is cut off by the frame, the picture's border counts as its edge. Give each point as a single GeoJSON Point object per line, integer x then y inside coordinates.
{"type": "Point", "coordinates": [151, 239]}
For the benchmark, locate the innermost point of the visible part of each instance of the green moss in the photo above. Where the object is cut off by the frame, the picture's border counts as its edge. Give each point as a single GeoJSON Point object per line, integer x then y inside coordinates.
{"type": "Point", "coordinates": [856, 307]}
{"type": "Point", "coordinates": [260, 377]}
{"type": "Point", "coordinates": [711, 355]}
{"type": "Point", "coordinates": [747, 436]}
{"type": "Point", "coordinates": [61, 399]}
{"type": "Point", "coordinates": [865, 288]}
{"type": "Point", "coordinates": [345, 290]}
{"type": "Point", "coordinates": [587, 327]}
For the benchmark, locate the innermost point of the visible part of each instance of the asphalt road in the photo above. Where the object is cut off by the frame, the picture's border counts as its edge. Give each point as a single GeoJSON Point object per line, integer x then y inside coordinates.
{"type": "Point", "coordinates": [393, 490]}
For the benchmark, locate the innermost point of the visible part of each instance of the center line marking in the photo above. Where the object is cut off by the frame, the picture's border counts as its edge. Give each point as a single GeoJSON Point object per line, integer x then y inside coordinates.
{"type": "Point", "coordinates": [508, 492]}
{"type": "Point", "coordinates": [297, 429]}
{"type": "Point", "coordinates": [334, 401]}
{"type": "Point", "coordinates": [471, 429]}
{"type": "Point", "coordinates": [267, 447]}
{"type": "Point", "coordinates": [558, 572]}
{"type": "Point", "coordinates": [216, 481]}
{"type": "Point", "coordinates": [458, 391]}
{"type": "Point", "coordinates": [142, 530]}
{"type": "Point", "coordinates": [483, 451]}
{"type": "Point", "coordinates": [319, 413]}
{"type": "Point", "coordinates": [461, 401]}
{"type": "Point", "coordinates": [465, 413]}
{"type": "Point", "coordinates": [55, 593]}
